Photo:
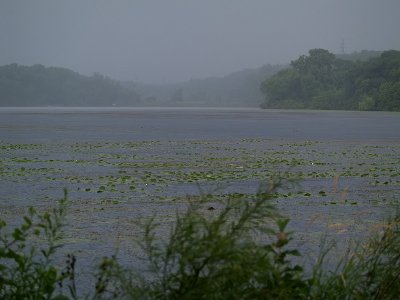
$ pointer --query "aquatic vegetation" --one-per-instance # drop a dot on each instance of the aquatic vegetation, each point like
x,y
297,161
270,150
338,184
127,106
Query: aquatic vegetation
x,y
157,177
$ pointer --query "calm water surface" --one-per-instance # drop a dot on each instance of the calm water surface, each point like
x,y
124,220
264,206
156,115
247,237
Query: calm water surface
x,y
31,125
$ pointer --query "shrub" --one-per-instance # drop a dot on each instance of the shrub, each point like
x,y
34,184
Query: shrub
x,y
27,270
217,256
237,253
371,271
240,250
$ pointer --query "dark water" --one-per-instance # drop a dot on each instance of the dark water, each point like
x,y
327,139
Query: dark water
x,y
97,124
339,142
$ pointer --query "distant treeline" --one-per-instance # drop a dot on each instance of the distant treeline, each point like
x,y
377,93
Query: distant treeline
x,y
367,80
52,86
40,86
241,88
322,80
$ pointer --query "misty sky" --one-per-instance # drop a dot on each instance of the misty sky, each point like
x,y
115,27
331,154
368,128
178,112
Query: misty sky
x,y
170,40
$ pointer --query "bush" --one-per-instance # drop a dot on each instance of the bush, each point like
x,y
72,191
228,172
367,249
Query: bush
x,y
239,250
27,270
366,103
372,271
217,256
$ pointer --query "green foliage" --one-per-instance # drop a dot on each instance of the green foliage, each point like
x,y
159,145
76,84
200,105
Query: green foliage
x,y
240,249
27,269
323,81
218,256
238,253
326,99
371,271
366,103
51,86
285,87
39,86
388,96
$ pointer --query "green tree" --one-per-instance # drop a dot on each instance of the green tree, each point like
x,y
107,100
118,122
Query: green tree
x,y
40,86
297,86
367,103
321,81
388,96
284,86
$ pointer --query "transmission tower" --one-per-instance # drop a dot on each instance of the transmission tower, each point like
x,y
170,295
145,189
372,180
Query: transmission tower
x,y
342,47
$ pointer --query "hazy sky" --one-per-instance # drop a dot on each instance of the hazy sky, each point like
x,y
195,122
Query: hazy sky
x,y
171,40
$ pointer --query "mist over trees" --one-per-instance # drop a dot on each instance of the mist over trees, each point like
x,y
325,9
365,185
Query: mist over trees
x,y
241,89
40,86
321,80
367,80
51,86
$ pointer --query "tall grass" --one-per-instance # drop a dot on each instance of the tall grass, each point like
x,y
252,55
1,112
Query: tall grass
x,y
242,250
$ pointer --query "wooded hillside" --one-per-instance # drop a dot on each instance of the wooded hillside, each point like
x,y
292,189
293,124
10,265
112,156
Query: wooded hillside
x,y
320,80
40,86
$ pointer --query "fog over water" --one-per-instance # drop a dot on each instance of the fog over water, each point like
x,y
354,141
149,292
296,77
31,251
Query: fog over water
x,y
30,125
171,41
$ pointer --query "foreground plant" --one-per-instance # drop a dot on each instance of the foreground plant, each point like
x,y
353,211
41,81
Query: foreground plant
x,y
372,270
27,269
239,249
228,253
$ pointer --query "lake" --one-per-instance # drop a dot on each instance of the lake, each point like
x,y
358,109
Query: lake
x,y
124,164
96,124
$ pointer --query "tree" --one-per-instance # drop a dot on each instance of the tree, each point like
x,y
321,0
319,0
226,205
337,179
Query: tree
x,y
40,86
304,80
321,81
